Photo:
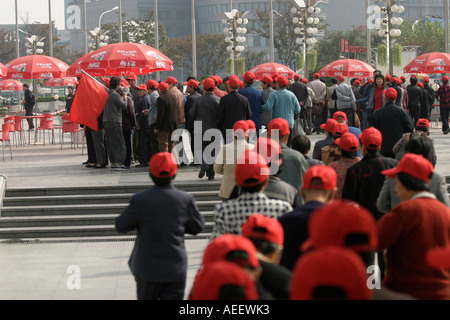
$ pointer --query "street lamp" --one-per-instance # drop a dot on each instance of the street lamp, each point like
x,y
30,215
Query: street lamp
x,y
99,38
34,44
116,8
234,34
305,22
388,23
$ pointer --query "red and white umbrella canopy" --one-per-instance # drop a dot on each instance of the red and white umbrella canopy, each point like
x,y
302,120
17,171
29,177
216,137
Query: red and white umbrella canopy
x,y
271,68
10,85
3,71
124,58
433,62
61,82
347,68
36,67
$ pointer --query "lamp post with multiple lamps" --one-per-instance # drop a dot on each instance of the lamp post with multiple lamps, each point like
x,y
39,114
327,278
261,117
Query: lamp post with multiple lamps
x,y
99,39
387,26
34,45
305,22
235,34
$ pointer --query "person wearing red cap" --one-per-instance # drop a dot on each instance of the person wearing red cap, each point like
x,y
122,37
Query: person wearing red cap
x,y
317,109
267,235
328,127
266,85
255,98
392,121
349,145
414,98
283,104
430,94
192,93
416,225
345,100
132,82
128,123
330,273
252,175
152,87
226,159
300,90
160,213
332,152
204,113
422,129
233,107
167,117
142,114
179,97
443,96
319,188
388,197
218,81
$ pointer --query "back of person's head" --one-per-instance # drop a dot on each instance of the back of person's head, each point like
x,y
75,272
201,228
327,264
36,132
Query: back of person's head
x,y
334,81
163,168
413,81
301,143
419,145
251,172
114,82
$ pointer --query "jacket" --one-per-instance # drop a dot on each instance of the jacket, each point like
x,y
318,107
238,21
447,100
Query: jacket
x,y
204,109
232,107
167,108
113,107
256,100
319,88
283,104
344,97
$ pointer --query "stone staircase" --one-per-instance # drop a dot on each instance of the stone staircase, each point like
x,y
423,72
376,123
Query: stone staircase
x,y
87,212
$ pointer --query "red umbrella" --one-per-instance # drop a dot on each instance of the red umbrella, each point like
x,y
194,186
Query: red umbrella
x,y
124,58
36,67
434,62
3,71
10,85
61,82
269,69
347,68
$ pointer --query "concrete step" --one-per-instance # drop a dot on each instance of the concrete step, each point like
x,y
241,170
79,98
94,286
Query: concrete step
x,y
72,231
85,199
69,220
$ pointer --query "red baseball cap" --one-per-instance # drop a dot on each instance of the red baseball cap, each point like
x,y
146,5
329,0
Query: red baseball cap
x,y
316,76
438,258
370,80
444,79
152,84
251,124
423,123
275,76
414,165
172,80
413,75
320,177
142,87
426,80
356,82
340,129
280,124
132,77
234,81
192,83
341,78
390,94
304,80
342,224
223,247
208,83
296,76
249,76
217,79
267,79
269,149
163,165
420,84
163,86
329,125
262,227
251,169
348,142
339,115
331,267
210,281
242,126
371,138
282,81
403,78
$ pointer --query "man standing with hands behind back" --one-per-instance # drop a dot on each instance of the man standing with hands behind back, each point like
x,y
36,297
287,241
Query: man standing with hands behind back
x,y
29,103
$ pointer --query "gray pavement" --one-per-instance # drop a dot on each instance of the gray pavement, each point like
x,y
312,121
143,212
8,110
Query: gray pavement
x,y
91,269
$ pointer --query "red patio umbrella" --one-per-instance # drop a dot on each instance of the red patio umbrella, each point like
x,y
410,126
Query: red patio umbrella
x,y
433,62
124,58
10,85
61,82
269,69
347,68
3,71
36,67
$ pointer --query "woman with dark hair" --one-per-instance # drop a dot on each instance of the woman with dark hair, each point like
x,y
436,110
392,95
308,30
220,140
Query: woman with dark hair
x,y
375,99
112,122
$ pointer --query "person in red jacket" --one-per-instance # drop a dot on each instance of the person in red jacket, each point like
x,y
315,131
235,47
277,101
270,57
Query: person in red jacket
x,y
413,227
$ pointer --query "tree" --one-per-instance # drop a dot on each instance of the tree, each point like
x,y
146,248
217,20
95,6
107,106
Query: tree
x,y
253,58
428,36
7,46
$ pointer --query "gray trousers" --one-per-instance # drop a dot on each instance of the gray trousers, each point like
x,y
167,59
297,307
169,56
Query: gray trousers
x,y
100,146
115,143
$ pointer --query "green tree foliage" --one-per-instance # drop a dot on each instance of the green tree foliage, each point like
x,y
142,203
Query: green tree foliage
x,y
428,36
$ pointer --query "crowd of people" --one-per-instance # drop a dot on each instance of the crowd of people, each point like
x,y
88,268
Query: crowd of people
x,y
292,224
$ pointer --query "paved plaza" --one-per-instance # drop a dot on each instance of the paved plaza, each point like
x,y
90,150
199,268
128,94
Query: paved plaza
x,y
92,269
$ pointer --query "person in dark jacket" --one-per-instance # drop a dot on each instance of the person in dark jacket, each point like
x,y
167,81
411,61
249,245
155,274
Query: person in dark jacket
x,y
161,215
29,103
128,123
432,94
392,121
414,98
255,99
166,119
204,113
301,92
193,92
233,107
144,129
69,99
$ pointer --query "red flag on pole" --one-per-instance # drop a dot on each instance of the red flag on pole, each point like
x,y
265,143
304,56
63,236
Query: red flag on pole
x,y
90,99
